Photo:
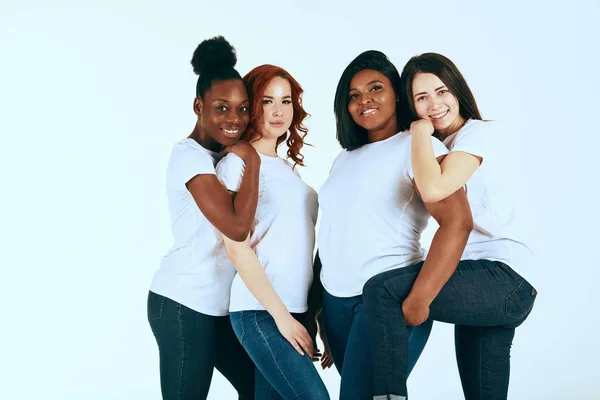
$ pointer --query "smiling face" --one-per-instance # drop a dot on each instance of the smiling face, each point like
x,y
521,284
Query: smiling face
x,y
223,114
434,102
278,110
372,104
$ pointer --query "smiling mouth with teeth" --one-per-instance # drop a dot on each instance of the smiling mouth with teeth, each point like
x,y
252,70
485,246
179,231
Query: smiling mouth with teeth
x,y
230,132
368,111
438,116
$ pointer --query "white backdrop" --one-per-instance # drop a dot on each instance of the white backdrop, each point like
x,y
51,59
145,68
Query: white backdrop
x,y
93,96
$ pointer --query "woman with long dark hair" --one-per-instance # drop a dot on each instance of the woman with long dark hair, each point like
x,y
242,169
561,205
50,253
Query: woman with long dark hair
x,y
372,216
489,293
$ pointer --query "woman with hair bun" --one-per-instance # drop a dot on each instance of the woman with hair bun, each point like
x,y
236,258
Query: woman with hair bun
x,y
189,294
269,294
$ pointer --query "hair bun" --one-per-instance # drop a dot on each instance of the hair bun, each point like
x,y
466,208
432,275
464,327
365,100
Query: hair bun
x,y
213,53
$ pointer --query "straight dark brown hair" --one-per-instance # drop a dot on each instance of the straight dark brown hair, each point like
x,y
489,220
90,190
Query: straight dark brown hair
x,y
443,68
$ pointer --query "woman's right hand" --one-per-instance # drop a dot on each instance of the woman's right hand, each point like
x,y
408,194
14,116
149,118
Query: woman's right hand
x,y
296,334
243,150
326,359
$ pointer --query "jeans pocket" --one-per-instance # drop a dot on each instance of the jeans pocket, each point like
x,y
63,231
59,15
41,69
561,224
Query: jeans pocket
x,y
156,303
520,302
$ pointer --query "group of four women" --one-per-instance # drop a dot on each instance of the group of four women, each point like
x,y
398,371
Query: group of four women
x,y
239,290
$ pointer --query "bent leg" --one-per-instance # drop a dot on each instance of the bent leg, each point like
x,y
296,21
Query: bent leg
x,y
479,293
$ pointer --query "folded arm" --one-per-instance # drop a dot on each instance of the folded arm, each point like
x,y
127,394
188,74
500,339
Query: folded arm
x,y
438,181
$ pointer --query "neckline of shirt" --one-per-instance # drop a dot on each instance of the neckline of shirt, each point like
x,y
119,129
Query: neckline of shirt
x,y
267,158
395,135
451,137
198,145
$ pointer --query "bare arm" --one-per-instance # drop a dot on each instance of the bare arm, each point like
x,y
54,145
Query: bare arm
x,y
454,217
246,262
231,215
315,323
316,290
314,302
435,181
453,214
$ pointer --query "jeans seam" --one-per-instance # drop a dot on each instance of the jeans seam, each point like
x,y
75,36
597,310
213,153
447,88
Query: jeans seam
x,y
480,363
180,320
262,335
160,309
243,334
513,296
162,305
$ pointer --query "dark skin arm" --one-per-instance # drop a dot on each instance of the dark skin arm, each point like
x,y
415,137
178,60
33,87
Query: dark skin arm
x,y
314,316
314,303
453,214
231,215
316,289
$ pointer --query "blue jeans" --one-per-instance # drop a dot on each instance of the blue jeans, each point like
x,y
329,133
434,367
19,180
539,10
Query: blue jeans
x,y
281,372
486,300
348,340
191,345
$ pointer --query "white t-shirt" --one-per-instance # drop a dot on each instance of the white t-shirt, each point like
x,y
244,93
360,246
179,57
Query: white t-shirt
x,y
190,273
371,216
498,232
283,234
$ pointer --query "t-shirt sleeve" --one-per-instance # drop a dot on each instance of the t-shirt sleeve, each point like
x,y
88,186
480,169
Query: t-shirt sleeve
x,y
479,138
438,150
187,162
230,171
438,147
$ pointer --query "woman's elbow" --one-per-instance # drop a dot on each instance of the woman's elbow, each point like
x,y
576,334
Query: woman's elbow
x,y
430,194
465,224
236,233
431,198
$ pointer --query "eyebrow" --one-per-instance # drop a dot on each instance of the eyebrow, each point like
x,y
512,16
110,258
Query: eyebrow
x,y
375,81
441,87
271,97
227,101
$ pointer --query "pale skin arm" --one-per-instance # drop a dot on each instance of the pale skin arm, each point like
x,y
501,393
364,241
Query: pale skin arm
x,y
438,181
246,262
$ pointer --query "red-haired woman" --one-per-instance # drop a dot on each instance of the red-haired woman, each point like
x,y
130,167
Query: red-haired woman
x,y
269,293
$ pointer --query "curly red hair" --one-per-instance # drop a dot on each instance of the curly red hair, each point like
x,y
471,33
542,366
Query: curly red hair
x,y
256,82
